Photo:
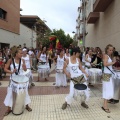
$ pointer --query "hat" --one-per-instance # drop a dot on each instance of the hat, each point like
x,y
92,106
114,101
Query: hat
x,y
24,49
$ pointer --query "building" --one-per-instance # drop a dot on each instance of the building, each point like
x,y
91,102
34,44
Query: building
x,y
102,24
81,23
35,24
9,19
16,29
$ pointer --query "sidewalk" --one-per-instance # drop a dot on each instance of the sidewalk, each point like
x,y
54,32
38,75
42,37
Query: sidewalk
x,y
47,101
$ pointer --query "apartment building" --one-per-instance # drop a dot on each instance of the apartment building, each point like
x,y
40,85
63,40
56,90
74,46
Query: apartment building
x,y
12,32
101,25
9,18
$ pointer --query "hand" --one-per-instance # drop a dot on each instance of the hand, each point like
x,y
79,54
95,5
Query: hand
x,y
69,75
40,61
86,75
14,70
24,67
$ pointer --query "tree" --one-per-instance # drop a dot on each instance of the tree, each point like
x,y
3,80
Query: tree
x,y
43,33
65,40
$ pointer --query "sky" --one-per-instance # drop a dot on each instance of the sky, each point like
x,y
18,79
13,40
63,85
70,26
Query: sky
x,y
58,13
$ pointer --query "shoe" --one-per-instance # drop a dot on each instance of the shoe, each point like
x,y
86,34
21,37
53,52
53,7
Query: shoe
x,y
32,84
28,109
83,104
7,112
64,106
106,110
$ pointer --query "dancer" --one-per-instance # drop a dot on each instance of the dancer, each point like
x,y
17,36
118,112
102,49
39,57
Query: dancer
x,y
107,83
60,76
13,71
43,69
76,70
28,63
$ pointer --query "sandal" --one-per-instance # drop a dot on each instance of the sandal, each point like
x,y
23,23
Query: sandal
x,y
106,110
64,106
7,112
32,84
83,104
28,109
46,79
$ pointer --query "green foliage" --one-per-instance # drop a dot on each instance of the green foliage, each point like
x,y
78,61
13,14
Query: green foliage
x,y
65,40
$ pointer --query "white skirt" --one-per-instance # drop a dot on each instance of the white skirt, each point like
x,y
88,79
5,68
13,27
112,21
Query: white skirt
x,y
107,88
9,97
61,79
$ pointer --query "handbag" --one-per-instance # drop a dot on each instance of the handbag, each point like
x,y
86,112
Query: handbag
x,y
106,77
78,80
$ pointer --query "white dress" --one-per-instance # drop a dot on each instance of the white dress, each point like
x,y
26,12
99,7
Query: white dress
x,y
9,97
44,70
27,63
88,63
67,57
75,72
108,86
43,57
60,77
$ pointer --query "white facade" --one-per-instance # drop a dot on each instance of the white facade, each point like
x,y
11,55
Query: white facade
x,y
25,36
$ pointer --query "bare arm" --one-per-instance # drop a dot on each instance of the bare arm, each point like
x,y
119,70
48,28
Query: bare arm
x,y
30,61
64,68
86,58
105,61
38,56
24,65
7,65
54,59
82,69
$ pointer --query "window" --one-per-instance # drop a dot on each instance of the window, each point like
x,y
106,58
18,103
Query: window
x,y
3,14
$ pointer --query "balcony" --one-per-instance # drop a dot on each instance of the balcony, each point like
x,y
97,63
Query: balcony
x,y
93,17
101,5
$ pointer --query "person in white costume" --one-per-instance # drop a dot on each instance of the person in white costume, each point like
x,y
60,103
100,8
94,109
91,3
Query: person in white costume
x,y
88,58
9,97
43,57
28,63
107,85
76,70
60,76
67,55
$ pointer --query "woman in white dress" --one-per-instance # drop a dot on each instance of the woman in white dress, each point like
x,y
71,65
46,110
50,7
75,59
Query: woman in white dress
x,y
9,99
76,70
67,55
28,63
107,85
88,58
60,76
42,57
